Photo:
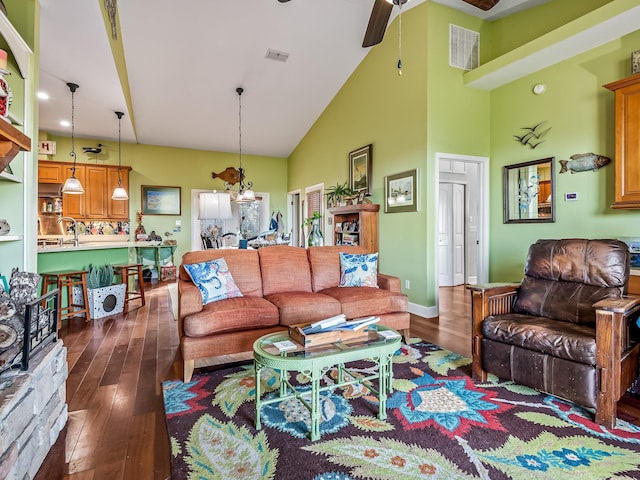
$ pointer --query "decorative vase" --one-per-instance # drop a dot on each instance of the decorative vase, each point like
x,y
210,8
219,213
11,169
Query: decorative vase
x,y
315,236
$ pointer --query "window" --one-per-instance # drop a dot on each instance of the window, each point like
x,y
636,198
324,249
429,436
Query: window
x,y
313,202
249,219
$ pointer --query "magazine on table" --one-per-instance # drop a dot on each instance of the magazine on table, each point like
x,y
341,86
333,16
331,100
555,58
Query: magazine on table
x,y
339,322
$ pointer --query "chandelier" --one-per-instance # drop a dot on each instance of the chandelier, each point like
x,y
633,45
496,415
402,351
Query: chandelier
x,y
232,176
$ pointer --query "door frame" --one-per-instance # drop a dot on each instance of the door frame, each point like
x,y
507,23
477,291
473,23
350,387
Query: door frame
x,y
294,225
483,212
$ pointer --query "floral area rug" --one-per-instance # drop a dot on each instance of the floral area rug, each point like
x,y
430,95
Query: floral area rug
x,y
440,425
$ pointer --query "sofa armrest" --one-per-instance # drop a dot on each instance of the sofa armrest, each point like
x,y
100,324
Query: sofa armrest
x,y
389,282
189,302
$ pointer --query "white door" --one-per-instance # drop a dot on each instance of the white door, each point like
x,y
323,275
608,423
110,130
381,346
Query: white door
x,y
451,227
458,233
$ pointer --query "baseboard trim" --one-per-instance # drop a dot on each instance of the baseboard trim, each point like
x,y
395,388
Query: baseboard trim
x,y
426,312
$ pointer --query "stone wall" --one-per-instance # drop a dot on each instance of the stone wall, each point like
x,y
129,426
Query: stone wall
x,y
33,411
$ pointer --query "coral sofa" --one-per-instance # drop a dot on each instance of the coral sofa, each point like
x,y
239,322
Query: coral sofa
x,y
280,286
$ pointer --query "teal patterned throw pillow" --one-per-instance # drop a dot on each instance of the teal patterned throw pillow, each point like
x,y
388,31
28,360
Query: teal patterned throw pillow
x,y
358,270
214,280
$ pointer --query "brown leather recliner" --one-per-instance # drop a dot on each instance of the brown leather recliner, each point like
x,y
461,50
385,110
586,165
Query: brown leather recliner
x,y
567,329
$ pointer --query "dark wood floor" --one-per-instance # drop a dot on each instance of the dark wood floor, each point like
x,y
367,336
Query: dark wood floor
x,y
116,428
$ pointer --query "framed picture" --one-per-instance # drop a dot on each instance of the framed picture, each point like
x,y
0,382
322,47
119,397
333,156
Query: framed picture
x,y
4,286
160,200
635,62
360,169
401,192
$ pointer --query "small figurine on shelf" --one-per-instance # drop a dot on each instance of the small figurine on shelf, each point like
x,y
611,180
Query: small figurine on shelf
x,y
140,228
154,238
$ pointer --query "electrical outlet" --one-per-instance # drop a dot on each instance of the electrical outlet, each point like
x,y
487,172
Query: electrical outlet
x,y
407,284
178,223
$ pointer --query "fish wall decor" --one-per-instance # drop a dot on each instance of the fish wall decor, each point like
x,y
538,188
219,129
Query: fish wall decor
x,y
532,135
582,162
230,175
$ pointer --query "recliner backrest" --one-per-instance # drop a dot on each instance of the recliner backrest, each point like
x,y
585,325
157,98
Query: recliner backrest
x,y
564,278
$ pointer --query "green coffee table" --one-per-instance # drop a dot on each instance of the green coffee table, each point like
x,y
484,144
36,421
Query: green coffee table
x,y
315,362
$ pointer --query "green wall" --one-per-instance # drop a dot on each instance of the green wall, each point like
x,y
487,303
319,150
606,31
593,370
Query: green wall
x,y
179,167
581,116
407,119
429,110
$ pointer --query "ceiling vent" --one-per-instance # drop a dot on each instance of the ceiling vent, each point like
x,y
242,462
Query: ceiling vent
x,y
276,55
464,48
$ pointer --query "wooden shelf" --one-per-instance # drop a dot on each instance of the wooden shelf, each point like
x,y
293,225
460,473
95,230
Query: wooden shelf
x,y
365,216
10,177
10,238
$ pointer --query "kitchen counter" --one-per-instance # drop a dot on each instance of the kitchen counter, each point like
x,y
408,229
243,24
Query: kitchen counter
x,y
90,244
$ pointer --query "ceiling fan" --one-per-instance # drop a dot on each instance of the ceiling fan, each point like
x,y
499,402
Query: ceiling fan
x,y
382,12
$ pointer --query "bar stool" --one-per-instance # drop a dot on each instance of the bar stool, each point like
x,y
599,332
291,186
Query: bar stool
x,y
68,279
126,271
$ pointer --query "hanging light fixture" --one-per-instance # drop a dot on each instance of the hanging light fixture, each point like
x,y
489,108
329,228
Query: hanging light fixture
x,y
72,185
245,194
119,193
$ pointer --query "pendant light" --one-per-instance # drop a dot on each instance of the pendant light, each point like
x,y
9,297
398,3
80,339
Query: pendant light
x,y
245,194
72,185
119,193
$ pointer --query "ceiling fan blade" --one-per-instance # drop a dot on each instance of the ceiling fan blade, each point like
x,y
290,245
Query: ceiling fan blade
x,y
483,4
377,23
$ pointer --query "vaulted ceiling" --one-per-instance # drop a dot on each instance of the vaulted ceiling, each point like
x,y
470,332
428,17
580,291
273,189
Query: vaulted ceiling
x,y
175,67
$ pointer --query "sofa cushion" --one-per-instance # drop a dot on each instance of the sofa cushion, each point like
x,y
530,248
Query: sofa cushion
x,y
214,280
243,264
284,269
358,270
325,264
304,307
240,313
566,340
363,301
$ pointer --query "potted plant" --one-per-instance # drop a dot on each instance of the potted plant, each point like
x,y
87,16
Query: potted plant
x,y
337,193
105,298
315,235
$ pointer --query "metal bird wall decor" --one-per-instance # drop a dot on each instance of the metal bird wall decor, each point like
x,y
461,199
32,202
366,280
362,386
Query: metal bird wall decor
x,y
532,135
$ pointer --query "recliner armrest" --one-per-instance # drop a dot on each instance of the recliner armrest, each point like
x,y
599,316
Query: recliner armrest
x,y
618,305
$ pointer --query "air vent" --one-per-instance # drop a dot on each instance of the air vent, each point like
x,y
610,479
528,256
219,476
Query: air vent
x,y
276,55
464,48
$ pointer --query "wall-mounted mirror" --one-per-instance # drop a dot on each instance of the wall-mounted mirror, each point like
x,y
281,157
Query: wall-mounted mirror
x,y
529,192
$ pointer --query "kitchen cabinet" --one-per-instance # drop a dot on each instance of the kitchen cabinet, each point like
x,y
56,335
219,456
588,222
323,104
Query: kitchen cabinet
x,y
356,225
49,172
99,182
74,205
117,209
627,139
95,191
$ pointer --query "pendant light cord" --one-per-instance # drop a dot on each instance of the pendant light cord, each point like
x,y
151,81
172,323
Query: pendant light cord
x,y
400,38
73,127
119,114
240,90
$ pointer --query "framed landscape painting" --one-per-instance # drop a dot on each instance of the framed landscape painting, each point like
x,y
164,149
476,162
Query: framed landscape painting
x,y
158,200
401,192
360,169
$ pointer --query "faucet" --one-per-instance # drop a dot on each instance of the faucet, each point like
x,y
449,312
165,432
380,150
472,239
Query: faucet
x,y
76,241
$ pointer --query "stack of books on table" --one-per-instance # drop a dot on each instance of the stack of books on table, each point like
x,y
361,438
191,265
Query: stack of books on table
x,y
331,330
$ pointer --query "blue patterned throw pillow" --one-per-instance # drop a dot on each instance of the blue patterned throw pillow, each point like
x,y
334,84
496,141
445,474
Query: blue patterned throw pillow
x,y
214,280
358,270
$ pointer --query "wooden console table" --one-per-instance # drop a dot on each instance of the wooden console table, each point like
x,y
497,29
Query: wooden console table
x,y
156,253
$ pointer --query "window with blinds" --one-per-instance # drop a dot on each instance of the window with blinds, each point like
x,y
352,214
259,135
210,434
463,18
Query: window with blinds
x,y
313,202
